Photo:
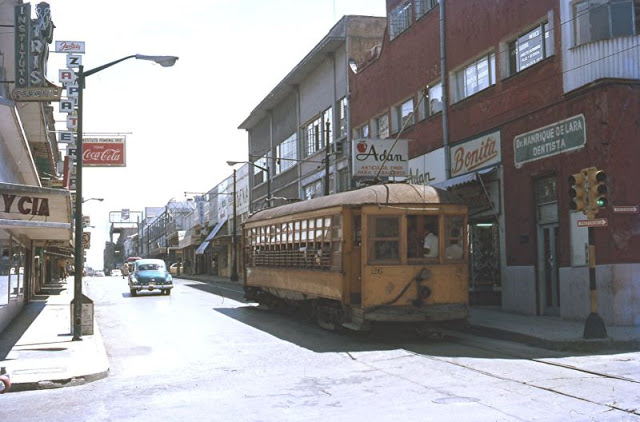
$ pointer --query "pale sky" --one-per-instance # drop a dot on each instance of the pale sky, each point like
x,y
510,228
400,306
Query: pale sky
x,y
181,122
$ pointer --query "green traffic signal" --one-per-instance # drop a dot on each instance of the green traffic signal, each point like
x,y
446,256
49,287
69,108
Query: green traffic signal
x,y
597,189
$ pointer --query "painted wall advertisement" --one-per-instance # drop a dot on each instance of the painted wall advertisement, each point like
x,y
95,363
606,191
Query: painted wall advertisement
x,y
104,152
380,157
427,169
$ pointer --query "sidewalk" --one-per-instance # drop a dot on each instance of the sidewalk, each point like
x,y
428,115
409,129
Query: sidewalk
x,y
37,347
38,352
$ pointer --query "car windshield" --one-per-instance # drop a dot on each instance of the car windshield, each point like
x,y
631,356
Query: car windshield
x,y
150,267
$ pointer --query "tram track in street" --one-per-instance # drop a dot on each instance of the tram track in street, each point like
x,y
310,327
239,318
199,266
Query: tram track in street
x,y
505,350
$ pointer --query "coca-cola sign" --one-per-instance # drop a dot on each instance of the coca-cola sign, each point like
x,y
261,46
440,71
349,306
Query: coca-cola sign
x,y
104,152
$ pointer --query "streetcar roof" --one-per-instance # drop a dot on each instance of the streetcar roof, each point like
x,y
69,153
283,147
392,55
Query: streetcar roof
x,y
384,194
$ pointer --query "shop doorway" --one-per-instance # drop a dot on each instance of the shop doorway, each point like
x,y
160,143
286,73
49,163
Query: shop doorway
x,y
484,273
548,287
548,264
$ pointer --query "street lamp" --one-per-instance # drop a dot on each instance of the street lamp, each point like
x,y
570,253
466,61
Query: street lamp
x,y
234,238
164,61
265,169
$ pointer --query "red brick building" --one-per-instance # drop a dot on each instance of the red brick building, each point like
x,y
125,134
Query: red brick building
x,y
517,96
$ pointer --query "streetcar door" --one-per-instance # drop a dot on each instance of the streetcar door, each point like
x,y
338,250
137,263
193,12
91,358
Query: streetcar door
x,y
355,267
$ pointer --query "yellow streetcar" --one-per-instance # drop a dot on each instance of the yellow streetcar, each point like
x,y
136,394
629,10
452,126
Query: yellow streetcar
x,y
384,253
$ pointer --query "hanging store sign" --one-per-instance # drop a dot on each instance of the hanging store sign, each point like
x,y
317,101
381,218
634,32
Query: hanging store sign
x,y
104,152
557,138
32,39
69,47
475,154
44,94
380,157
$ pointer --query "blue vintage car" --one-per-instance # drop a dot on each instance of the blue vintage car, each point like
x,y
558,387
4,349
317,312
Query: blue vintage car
x,y
150,274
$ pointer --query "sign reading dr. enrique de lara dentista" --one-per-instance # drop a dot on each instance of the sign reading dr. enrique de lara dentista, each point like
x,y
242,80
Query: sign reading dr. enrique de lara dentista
x,y
556,138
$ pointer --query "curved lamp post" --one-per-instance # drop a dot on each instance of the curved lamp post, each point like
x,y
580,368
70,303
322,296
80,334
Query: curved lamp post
x,y
92,199
164,61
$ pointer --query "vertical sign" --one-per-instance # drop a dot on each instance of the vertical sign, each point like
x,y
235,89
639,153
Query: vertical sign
x,y
22,44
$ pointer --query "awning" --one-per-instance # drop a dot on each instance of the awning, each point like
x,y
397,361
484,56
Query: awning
x,y
12,134
464,179
203,246
34,212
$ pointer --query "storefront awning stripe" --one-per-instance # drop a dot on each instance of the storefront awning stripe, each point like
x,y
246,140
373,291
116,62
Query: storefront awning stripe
x,y
461,180
216,229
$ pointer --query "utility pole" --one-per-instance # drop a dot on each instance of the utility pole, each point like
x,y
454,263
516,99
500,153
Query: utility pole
x,y
234,239
327,154
588,194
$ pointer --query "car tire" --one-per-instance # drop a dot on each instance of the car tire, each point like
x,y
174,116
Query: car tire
x,y
134,292
167,292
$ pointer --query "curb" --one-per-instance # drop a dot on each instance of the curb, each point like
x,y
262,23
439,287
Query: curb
x,y
99,369
577,345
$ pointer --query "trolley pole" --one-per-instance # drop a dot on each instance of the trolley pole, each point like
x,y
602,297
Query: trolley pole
x,y
594,325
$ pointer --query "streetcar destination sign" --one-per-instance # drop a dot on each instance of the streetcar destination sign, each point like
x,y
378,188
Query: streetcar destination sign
x,y
596,222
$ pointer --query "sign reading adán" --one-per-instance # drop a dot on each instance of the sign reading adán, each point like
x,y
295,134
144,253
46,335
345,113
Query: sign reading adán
x,y
553,139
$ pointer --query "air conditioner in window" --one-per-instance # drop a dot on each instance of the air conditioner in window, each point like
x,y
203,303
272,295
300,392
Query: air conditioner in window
x,y
336,147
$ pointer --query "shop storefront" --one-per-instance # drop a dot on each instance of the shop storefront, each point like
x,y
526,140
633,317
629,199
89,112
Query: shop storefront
x,y
476,178
35,232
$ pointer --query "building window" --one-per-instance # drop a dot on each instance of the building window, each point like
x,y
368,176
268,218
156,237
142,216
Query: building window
x,y
400,19
605,19
432,103
313,137
423,6
259,176
361,132
343,180
313,190
287,153
381,127
314,133
403,115
342,117
530,48
475,77
327,117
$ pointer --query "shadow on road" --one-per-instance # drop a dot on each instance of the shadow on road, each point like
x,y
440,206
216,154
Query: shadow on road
x,y
296,328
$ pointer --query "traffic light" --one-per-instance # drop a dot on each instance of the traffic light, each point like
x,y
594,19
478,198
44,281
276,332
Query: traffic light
x,y
577,192
597,189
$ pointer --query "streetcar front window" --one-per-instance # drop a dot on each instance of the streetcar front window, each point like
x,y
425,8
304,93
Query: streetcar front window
x,y
422,237
386,239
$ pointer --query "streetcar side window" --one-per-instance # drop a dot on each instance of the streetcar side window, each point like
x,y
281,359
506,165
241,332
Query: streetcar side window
x,y
455,236
385,239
